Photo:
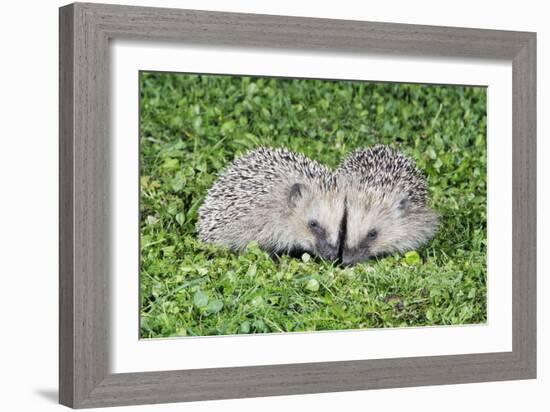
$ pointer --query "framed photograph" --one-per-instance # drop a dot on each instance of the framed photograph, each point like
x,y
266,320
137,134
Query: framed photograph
x,y
256,205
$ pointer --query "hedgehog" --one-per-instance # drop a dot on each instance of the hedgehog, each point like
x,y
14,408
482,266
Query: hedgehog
x,y
283,201
386,204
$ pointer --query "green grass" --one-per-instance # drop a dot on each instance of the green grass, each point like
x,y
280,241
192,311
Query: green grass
x,y
192,126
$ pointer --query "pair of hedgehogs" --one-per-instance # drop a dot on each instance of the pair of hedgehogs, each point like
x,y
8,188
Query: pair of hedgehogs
x,y
374,204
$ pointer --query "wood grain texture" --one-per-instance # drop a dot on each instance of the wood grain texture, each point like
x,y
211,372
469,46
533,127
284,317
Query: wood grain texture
x,y
83,339
85,31
524,184
299,33
66,229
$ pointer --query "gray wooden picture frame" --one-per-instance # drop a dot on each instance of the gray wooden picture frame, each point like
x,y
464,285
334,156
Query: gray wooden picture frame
x,y
85,31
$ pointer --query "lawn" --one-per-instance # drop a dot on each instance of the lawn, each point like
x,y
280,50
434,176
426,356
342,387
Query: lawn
x,y
192,126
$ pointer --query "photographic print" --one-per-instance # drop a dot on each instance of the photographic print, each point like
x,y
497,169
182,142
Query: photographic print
x,y
330,209
275,205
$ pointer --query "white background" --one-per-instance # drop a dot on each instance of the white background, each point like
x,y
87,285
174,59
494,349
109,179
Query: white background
x,y
28,206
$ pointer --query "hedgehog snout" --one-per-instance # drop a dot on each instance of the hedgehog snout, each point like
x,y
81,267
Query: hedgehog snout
x,y
332,253
352,256
327,251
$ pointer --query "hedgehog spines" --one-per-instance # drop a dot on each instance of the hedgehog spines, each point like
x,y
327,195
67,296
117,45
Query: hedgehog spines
x,y
381,168
250,201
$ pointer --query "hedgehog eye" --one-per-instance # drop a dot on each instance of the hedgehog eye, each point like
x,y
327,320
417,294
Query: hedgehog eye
x,y
313,224
373,234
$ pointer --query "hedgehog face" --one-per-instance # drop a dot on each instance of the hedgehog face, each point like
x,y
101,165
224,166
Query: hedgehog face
x,y
315,220
383,223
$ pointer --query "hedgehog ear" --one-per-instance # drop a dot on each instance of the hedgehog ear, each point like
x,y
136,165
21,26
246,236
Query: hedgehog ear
x,y
297,191
402,206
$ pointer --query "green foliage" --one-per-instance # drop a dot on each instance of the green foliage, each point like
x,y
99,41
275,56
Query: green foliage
x,y
192,126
